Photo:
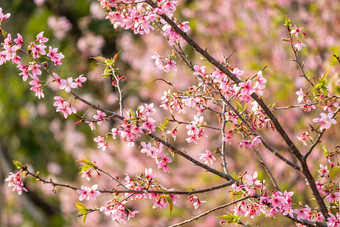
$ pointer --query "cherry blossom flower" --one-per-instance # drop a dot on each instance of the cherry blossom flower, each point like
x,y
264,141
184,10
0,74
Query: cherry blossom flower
x,y
252,179
149,125
148,174
100,117
304,137
333,221
301,95
326,120
67,85
260,83
323,170
207,157
237,72
19,40
3,16
41,39
149,149
299,45
55,56
302,213
101,143
173,133
199,71
332,197
92,192
37,87
296,31
80,80
15,180
59,25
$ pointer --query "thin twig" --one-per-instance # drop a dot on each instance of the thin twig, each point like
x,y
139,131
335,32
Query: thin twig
x,y
223,148
263,164
209,211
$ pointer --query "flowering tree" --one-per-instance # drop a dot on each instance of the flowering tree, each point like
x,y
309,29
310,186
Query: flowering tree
x,y
222,104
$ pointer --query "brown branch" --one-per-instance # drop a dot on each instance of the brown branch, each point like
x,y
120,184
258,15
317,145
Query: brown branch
x,y
209,211
144,191
272,117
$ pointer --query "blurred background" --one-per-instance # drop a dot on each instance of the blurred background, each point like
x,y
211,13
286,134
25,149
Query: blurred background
x,y
33,133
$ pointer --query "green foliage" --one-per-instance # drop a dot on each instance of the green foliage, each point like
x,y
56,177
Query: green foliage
x,y
230,218
82,210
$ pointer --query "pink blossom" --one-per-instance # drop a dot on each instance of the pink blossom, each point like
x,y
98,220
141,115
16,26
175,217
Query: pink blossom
x,y
92,191
55,56
260,83
326,120
84,194
302,213
91,44
80,80
207,157
199,71
323,170
301,95
87,174
173,133
252,179
332,197
3,16
149,125
333,221
16,180
19,40
304,137
37,87
101,143
41,39
67,85
299,45
237,72
59,25
296,31
162,161
149,149
148,174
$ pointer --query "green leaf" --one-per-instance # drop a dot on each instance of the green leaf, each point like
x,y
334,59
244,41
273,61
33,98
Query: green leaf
x,y
80,206
171,204
17,164
240,108
88,165
235,176
83,210
287,22
162,126
100,59
230,218
84,218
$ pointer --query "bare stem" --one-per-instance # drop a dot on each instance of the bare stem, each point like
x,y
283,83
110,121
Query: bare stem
x,y
209,211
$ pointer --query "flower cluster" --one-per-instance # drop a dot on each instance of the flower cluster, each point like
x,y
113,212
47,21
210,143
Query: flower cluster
x,y
155,152
87,193
117,211
297,31
148,182
15,180
195,129
63,106
164,64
